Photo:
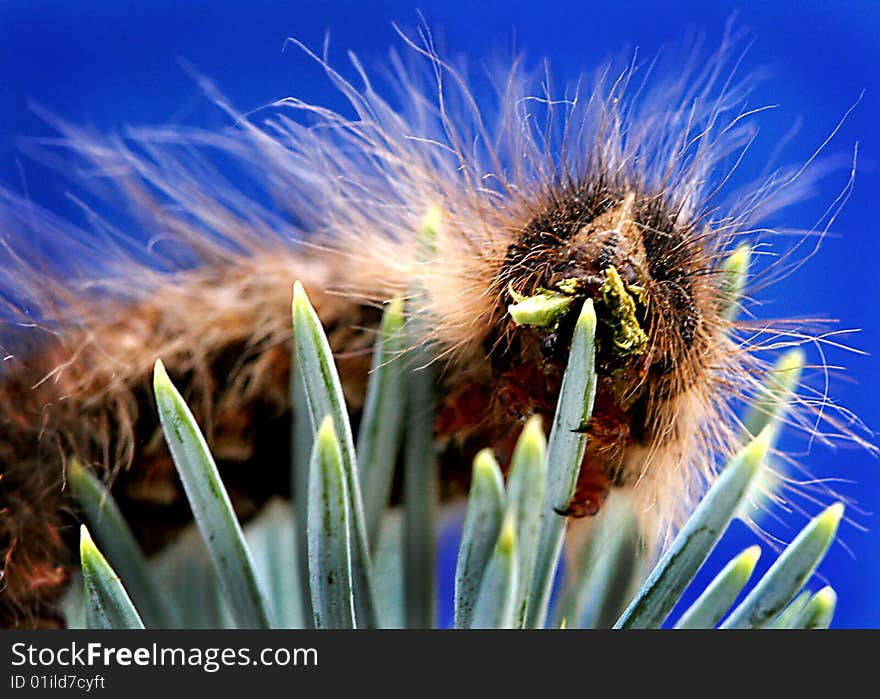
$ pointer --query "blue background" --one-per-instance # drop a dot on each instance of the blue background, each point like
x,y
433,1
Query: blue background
x,y
110,64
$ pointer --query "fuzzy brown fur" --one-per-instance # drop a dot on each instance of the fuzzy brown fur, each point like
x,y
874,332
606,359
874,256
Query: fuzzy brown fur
x,y
89,395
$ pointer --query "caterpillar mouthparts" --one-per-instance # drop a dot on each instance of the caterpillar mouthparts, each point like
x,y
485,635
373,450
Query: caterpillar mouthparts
x,y
534,206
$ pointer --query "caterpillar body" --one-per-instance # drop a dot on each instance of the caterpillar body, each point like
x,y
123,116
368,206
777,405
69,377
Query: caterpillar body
x,y
535,203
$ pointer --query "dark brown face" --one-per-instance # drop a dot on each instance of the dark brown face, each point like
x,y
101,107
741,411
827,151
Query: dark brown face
x,y
627,255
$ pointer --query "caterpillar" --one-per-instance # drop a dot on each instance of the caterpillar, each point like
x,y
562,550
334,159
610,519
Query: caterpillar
x,y
611,191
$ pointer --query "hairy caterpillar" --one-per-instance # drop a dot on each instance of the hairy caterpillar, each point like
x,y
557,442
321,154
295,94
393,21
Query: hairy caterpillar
x,y
609,192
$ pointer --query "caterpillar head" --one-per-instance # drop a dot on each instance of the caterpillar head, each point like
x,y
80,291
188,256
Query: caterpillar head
x,y
646,271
